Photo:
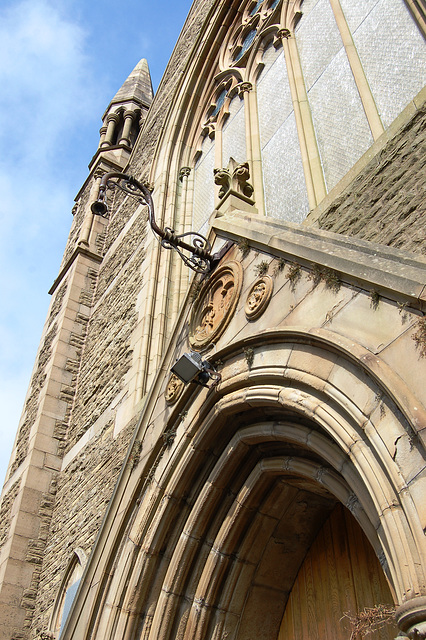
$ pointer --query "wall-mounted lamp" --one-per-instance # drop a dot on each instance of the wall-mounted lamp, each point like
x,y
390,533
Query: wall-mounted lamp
x,y
192,368
200,258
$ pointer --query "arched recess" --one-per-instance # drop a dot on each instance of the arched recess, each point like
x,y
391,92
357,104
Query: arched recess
x,y
67,591
340,572
261,462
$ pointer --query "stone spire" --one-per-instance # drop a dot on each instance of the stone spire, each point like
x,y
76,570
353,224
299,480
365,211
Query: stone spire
x,y
123,118
137,88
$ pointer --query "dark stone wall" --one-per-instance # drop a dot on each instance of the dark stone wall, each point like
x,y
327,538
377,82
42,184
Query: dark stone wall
x,y
386,202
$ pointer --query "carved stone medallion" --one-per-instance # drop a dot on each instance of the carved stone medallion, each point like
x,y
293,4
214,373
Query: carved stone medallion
x,y
215,305
174,389
258,297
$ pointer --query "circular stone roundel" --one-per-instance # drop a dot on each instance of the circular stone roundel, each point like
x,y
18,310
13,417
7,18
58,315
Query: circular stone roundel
x,y
258,297
215,305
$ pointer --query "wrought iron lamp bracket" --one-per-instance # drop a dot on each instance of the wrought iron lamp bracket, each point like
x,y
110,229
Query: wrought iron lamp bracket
x,y
199,258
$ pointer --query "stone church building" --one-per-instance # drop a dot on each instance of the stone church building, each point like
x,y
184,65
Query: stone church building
x,y
273,485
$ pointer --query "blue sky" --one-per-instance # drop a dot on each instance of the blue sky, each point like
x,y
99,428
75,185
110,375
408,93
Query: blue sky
x,y
61,62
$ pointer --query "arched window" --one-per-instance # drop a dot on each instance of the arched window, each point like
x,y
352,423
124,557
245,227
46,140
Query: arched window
x,y
301,90
67,591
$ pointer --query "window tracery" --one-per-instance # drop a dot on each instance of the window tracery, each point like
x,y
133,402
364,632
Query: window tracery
x,y
254,93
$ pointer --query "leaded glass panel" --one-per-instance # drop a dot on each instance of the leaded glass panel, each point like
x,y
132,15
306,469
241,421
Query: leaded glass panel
x,y
393,54
335,102
246,44
204,185
234,133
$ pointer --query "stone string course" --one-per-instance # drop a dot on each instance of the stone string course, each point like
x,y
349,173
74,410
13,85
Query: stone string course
x,y
83,492
386,203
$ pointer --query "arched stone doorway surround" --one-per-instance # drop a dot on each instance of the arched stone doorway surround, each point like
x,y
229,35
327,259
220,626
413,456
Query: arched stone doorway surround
x,y
250,467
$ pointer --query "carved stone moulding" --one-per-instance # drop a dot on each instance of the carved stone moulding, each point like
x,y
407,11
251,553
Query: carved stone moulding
x,y
258,297
215,305
174,389
411,618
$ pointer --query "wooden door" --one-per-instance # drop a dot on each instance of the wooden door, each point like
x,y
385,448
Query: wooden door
x,y
340,574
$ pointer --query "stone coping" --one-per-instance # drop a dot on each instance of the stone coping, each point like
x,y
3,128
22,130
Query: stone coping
x,y
391,272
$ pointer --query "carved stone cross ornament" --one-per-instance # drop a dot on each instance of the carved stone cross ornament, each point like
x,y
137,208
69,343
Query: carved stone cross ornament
x,y
234,178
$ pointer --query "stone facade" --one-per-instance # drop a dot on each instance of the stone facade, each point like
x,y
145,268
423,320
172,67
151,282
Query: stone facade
x,y
189,500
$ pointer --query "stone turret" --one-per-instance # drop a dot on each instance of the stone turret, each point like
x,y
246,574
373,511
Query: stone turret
x,y
123,118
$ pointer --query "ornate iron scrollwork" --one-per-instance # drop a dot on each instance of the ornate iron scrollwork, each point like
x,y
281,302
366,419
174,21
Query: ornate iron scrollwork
x,y
199,258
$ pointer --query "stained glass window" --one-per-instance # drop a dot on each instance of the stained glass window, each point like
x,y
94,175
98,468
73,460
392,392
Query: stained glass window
x,y
246,43
256,7
219,102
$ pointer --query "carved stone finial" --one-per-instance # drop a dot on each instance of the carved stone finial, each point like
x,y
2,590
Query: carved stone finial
x,y
234,178
184,173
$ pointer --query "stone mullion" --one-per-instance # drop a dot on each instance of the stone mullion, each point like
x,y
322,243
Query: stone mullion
x,y
218,151
418,11
254,156
311,160
178,272
168,263
112,120
189,182
361,81
128,121
150,331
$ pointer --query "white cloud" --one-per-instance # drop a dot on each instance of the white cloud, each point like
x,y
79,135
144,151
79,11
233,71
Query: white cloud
x,y
47,97
43,74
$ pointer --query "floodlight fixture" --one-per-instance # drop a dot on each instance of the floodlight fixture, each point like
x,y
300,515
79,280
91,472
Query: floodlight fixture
x,y
191,367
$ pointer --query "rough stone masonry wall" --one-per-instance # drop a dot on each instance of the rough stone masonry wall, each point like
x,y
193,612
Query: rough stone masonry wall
x,y
5,509
82,495
386,203
107,355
